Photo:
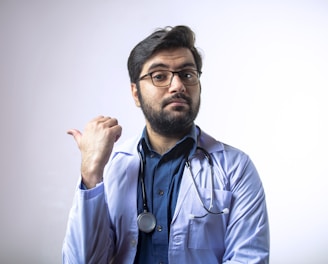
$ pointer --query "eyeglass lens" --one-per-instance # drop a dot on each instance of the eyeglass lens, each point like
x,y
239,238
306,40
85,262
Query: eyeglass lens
x,y
163,78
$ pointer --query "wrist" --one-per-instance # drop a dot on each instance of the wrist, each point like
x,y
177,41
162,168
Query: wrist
x,y
91,176
87,184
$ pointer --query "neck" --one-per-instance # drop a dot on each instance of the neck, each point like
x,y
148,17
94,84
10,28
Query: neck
x,y
161,143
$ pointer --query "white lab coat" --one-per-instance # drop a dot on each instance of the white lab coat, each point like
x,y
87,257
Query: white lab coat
x,y
102,225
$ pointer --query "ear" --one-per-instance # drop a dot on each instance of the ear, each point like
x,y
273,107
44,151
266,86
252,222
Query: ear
x,y
134,92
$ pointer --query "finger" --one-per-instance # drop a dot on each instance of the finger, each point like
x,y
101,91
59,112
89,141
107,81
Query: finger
x,y
100,118
118,130
76,135
97,117
110,122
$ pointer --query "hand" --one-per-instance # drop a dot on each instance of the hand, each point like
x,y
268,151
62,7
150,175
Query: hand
x,y
96,144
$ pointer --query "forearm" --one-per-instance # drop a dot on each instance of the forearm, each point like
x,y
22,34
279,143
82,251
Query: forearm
x,y
247,238
88,237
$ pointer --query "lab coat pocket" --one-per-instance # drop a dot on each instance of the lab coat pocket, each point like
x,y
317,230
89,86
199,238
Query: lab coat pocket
x,y
207,230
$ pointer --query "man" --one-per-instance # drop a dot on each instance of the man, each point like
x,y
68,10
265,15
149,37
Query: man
x,y
173,194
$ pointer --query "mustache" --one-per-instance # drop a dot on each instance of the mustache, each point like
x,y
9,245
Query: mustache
x,y
176,96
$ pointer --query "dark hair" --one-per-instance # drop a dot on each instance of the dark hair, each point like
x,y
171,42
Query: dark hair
x,y
162,39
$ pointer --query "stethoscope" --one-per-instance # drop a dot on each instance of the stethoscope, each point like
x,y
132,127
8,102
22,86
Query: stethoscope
x,y
147,221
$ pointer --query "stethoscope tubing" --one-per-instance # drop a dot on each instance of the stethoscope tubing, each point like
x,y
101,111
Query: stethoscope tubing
x,y
189,167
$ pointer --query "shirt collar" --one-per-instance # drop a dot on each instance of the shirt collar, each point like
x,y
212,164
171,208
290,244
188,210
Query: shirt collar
x,y
191,137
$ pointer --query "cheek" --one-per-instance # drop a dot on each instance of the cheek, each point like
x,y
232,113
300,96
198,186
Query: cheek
x,y
152,96
195,95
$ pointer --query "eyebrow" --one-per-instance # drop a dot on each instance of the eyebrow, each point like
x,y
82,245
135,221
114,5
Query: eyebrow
x,y
162,65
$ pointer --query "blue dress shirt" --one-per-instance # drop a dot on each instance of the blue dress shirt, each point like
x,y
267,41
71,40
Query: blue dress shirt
x,y
162,176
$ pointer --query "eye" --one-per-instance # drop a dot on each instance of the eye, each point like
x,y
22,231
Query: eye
x,y
188,74
160,76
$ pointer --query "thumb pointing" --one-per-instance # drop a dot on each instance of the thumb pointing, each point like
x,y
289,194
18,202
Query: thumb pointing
x,y
76,135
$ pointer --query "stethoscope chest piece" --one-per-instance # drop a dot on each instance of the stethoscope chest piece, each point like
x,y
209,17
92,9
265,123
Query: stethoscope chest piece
x,y
146,222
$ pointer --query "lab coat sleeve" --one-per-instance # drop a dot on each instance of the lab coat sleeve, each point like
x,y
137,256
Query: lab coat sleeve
x,y
247,236
89,238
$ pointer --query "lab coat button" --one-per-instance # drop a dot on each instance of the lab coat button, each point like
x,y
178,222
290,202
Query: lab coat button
x,y
133,243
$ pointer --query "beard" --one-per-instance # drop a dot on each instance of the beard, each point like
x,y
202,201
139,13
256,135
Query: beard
x,y
170,123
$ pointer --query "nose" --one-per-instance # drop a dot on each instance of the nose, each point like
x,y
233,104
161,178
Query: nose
x,y
176,84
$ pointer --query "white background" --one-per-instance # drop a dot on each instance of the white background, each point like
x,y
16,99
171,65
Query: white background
x,y
263,91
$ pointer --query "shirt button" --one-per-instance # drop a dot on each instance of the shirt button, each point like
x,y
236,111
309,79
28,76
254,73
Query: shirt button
x,y
161,192
159,228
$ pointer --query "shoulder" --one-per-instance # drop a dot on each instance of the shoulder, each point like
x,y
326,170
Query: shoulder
x,y
236,165
225,153
128,147
124,157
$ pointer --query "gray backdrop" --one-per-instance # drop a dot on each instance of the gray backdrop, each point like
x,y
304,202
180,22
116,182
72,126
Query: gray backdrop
x,y
263,91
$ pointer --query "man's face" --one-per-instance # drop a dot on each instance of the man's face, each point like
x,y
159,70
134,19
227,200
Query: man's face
x,y
169,110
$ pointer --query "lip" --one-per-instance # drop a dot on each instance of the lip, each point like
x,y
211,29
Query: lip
x,y
177,102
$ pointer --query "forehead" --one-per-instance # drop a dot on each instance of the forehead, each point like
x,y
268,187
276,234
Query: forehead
x,y
171,59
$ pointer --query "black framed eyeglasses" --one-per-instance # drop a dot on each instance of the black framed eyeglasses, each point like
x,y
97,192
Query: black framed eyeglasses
x,y
163,78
